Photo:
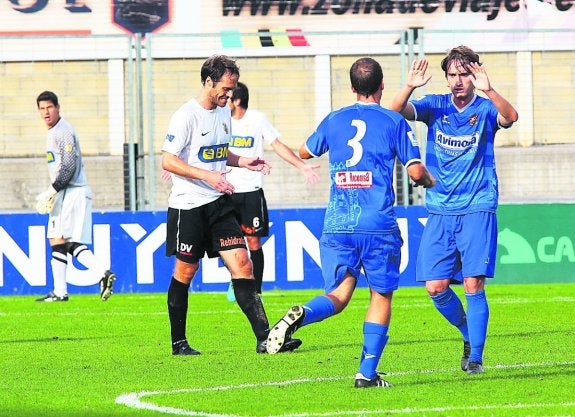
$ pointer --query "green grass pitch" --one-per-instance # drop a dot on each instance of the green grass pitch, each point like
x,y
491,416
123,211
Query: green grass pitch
x,y
89,358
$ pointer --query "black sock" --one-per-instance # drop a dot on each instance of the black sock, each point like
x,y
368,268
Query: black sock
x,y
257,257
178,309
251,304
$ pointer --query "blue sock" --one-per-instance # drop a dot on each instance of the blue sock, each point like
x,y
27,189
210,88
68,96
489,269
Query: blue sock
x,y
477,318
317,309
374,341
450,307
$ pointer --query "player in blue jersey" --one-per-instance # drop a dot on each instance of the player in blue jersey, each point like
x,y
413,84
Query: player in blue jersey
x,y
460,237
360,229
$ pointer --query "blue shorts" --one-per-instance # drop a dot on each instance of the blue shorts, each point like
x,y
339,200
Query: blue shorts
x,y
456,246
379,256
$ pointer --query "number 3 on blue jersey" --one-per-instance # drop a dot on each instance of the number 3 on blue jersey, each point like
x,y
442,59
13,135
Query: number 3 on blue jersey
x,y
354,143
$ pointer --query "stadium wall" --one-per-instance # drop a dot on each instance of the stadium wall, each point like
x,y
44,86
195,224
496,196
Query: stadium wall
x,y
99,99
122,67
534,174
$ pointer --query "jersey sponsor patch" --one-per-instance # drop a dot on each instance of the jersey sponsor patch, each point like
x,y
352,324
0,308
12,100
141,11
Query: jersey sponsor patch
x,y
232,241
50,156
213,153
456,143
185,249
242,142
170,138
353,179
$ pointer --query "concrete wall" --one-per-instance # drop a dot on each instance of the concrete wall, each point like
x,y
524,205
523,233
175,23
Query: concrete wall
x,y
23,178
99,98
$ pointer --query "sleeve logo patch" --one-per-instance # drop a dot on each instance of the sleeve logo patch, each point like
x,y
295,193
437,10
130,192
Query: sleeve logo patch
x,y
412,139
353,179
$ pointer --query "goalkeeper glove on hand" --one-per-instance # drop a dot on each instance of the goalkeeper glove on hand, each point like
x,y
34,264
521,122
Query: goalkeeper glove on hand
x,y
45,200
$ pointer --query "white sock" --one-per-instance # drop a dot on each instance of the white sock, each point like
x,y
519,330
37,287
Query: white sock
x,y
59,265
88,259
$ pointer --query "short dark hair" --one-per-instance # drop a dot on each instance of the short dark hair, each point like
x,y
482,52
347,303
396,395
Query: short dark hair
x,y
366,76
47,96
462,55
216,66
242,93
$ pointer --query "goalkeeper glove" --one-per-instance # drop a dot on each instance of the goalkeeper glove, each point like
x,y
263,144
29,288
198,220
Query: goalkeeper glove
x,y
45,200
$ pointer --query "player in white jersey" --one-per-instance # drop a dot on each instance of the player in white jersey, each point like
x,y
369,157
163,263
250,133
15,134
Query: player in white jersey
x,y
460,236
201,218
250,131
360,231
68,200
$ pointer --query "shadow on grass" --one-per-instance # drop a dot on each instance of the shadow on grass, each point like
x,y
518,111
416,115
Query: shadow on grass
x,y
491,374
529,334
318,346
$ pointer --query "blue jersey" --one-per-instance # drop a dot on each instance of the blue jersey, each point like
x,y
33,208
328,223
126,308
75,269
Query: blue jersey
x,y
460,154
363,141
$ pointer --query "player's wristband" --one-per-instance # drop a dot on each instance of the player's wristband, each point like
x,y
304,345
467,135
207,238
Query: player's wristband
x,y
233,160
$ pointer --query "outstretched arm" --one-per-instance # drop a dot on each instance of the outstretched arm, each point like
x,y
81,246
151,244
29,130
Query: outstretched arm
x,y
507,113
416,77
308,170
253,164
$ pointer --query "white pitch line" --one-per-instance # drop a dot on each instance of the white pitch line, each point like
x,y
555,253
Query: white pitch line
x,y
424,303
134,399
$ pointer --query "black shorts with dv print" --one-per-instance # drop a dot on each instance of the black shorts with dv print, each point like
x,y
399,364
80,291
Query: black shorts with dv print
x,y
209,229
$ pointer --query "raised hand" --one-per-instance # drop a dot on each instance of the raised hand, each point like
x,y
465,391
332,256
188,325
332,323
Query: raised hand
x,y
417,74
479,76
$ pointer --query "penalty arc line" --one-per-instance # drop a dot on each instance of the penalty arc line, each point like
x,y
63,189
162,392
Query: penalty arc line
x,y
134,399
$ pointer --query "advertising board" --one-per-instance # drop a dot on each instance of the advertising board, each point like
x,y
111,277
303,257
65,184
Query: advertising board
x,y
535,245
